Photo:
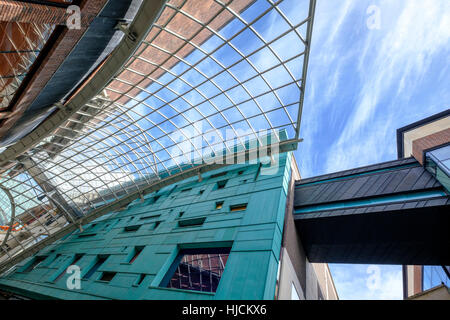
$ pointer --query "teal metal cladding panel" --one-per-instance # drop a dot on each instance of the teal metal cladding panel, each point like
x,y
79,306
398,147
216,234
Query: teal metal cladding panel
x,y
253,234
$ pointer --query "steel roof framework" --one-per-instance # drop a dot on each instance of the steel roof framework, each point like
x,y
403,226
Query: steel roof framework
x,y
160,113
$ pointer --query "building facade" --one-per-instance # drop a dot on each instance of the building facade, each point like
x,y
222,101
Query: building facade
x,y
428,141
225,235
394,212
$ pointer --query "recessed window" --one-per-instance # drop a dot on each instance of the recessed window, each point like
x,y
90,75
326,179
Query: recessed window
x,y
197,269
136,252
98,262
150,217
107,276
34,263
140,279
219,205
191,222
180,214
86,235
132,228
156,224
238,207
218,175
201,191
56,257
75,259
186,190
221,184
240,172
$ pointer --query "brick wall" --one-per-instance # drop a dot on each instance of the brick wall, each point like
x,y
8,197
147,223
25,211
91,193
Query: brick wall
x,y
13,11
430,141
48,65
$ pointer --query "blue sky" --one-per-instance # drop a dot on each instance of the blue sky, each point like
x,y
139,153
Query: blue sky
x,y
363,84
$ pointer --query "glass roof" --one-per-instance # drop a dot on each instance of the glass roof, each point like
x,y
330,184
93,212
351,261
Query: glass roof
x,y
209,77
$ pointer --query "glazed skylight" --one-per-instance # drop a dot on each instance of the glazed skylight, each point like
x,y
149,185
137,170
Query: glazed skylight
x,y
209,77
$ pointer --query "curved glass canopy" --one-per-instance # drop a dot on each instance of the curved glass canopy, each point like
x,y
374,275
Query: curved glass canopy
x,y
210,77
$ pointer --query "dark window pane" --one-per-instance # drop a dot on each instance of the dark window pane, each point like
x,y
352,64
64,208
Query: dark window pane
x,y
136,252
107,276
218,175
199,269
35,263
219,205
238,207
221,184
98,263
140,279
131,228
191,222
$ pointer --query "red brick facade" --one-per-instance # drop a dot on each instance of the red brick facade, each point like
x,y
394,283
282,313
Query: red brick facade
x,y
430,141
13,11
50,64
417,270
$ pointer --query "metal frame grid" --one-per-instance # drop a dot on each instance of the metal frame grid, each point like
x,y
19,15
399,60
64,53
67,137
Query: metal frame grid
x,y
209,77
33,37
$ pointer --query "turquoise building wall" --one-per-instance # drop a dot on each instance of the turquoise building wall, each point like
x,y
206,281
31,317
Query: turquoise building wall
x,y
254,236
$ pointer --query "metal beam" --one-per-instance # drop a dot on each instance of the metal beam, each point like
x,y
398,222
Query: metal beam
x,y
309,29
51,191
13,214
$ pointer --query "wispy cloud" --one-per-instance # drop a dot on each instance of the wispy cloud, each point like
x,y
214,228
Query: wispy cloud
x,y
362,85
365,83
393,63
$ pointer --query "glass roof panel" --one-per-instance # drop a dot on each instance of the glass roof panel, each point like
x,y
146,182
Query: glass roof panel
x,y
209,76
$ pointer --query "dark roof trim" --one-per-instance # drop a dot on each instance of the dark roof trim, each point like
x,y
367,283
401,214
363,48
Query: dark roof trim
x,y
390,206
414,125
361,170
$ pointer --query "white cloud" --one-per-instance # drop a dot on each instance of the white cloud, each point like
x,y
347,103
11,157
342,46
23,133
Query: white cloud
x,y
352,282
364,84
397,56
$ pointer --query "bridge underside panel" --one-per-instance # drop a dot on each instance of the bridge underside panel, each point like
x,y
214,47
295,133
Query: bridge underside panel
x,y
416,236
390,213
